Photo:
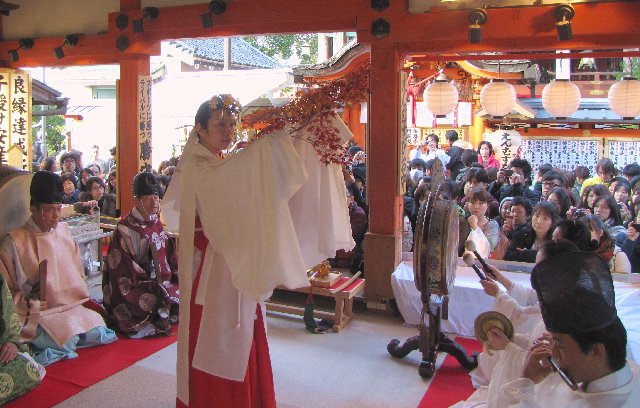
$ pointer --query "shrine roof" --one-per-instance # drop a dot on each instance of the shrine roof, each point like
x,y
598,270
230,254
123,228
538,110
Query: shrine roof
x,y
242,53
336,64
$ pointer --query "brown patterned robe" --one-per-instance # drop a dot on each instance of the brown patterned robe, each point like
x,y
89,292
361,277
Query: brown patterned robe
x,y
140,277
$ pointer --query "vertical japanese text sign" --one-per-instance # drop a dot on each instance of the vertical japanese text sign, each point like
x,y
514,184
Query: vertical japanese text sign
x,y
144,122
15,117
4,116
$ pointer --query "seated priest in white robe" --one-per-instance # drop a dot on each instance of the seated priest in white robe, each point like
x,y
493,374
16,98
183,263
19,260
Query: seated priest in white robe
x,y
50,304
587,340
520,305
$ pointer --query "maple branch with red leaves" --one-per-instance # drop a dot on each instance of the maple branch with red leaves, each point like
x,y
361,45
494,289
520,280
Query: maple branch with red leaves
x,y
312,109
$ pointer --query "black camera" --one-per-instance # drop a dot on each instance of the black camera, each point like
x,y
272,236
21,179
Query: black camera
x,y
581,212
507,172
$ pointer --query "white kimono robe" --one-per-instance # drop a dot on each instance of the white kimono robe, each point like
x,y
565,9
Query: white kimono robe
x,y
254,246
20,255
620,389
527,325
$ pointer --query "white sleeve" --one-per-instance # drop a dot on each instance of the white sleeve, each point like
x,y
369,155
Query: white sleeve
x,y
525,296
518,393
482,243
621,263
245,215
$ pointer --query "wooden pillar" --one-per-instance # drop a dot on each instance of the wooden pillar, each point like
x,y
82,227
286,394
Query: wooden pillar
x,y
351,117
383,241
128,143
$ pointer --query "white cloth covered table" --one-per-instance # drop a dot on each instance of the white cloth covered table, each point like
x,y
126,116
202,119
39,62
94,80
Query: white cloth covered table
x,y
467,300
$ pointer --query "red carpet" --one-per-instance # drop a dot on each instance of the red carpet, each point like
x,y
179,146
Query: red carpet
x,y
451,382
94,364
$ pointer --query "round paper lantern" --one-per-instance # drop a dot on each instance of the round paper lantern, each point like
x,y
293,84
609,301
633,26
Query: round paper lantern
x,y
441,97
561,98
624,98
498,98
506,143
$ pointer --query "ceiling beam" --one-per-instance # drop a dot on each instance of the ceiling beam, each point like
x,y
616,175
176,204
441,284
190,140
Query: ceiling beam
x,y
596,26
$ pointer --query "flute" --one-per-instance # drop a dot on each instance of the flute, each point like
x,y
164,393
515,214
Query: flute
x,y
563,374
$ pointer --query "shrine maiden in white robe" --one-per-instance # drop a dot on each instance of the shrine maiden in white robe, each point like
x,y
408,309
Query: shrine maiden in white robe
x,y
243,203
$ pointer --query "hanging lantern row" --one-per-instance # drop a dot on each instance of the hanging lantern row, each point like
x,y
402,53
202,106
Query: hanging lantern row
x,y
560,98
498,98
441,97
624,98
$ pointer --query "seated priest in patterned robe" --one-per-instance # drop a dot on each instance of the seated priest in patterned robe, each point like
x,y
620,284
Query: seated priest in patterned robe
x,y
43,269
140,281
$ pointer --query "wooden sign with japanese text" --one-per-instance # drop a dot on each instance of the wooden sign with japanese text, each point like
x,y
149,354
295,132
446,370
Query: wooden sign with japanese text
x,y
144,121
15,118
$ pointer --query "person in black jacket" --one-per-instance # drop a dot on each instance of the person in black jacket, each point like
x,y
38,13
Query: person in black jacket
x,y
516,184
455,152
526,241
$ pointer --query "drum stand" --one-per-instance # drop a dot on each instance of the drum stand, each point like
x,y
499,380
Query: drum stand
x,y
431,340
435,257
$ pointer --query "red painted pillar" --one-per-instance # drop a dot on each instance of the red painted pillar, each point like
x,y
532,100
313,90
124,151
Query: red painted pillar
x,y
128,143
383,241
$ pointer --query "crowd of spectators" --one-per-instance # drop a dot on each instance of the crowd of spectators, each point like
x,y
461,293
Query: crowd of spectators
x,y
511,212
92,186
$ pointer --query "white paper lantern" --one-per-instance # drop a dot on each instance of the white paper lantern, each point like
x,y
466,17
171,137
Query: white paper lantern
x,y
506,143
498,98
624,98
561,98
441,97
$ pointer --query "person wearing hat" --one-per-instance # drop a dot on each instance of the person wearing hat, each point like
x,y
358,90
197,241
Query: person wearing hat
x,y
586,338
140,282
43,269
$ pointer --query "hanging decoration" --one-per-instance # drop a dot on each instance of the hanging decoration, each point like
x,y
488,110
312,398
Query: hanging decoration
x,y
506,143
624,98
498,98
441,97
561,98
414,89
313,108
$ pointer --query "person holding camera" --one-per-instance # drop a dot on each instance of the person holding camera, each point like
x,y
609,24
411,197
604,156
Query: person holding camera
x,y
513,182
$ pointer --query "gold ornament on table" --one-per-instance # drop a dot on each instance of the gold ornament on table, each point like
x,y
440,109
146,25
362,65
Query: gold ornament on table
x,y
321,275
320,270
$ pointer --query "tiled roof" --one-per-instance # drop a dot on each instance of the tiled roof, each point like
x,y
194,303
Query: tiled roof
x,y
242,53
590,110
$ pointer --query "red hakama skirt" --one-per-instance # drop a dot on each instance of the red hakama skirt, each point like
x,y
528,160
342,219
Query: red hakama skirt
x,y
210,391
